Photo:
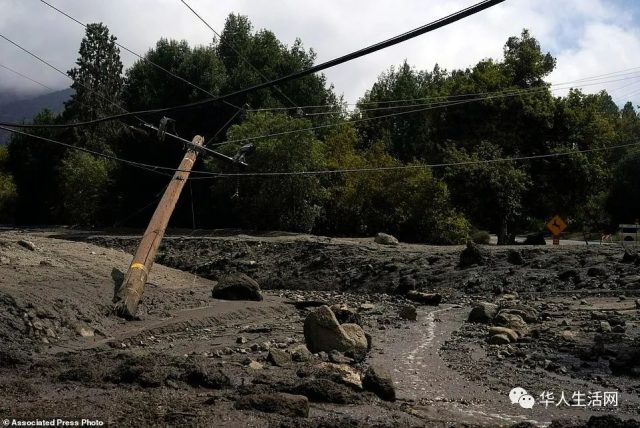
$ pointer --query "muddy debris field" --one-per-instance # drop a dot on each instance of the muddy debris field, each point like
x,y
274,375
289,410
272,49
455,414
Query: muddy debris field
x,y
304,331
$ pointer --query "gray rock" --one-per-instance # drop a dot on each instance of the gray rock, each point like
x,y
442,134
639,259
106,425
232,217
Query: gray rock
x,y
280,403
406,283
527,313
237,287
637,303
499,339
27,244
339,358
340,373
515,257
323,332
279,358
483,312
325,391
472,255
377,379
301,354
511,334
345,314
429,299
386,239
597,271
605,327
408,313
512,321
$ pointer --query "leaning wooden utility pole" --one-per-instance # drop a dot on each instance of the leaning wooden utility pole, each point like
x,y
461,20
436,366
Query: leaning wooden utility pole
x,y
129,295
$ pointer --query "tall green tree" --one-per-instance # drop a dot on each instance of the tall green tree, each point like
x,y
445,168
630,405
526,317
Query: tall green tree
x,y
97,83
97,79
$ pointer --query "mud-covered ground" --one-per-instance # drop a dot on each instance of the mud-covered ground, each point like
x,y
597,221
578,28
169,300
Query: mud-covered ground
x,y
194,360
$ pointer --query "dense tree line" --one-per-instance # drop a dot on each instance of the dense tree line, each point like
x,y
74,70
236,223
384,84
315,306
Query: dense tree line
x,y
519,116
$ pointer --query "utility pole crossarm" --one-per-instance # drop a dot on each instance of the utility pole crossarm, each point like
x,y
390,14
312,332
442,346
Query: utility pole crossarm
x,y
130,293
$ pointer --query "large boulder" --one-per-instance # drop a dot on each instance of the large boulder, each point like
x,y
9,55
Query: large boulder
x,y
237,287
323,332
378,380
483,312
386,239
281,403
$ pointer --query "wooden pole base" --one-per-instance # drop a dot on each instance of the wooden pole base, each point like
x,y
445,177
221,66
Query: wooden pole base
x,y
129,295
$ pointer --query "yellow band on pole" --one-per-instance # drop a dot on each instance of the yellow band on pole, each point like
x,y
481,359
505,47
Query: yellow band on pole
x,y
138,266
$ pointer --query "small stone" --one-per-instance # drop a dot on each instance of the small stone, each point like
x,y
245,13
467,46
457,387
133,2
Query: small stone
x,y
513,321
499,339
366,307
339,358
377,379
515,257
386,239
279,358
241,340
301,354
27,244
637,303
605,327
408,313
622,297
255,365
512,335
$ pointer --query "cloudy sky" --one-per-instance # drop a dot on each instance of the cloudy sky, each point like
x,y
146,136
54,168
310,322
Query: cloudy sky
x,y
588,37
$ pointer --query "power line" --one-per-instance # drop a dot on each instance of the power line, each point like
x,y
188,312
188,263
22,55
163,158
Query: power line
x,y
146,124
417,166
26,77
148,167
455,96
314,69
140,56
386,116
242,57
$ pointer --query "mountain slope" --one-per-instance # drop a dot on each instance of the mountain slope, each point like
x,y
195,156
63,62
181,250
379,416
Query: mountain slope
x,y
24,110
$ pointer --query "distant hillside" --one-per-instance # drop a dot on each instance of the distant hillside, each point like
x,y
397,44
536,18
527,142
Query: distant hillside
x,y
17,111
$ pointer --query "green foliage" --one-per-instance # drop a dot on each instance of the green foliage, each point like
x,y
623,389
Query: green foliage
x,y
624,200
34,166
97,77
277,202
481,237
84,187
409,203
8,193
489,193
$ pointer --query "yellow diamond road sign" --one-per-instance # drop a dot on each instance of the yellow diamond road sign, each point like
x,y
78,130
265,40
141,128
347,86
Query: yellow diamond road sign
x,y
556,225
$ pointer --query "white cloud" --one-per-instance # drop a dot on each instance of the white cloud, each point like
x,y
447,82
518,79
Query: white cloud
x,y
589,37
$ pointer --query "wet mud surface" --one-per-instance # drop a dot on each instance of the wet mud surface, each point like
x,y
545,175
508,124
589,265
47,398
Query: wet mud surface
x,y
198,361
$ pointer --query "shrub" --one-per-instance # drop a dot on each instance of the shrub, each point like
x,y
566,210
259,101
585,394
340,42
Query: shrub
x,y
481,237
